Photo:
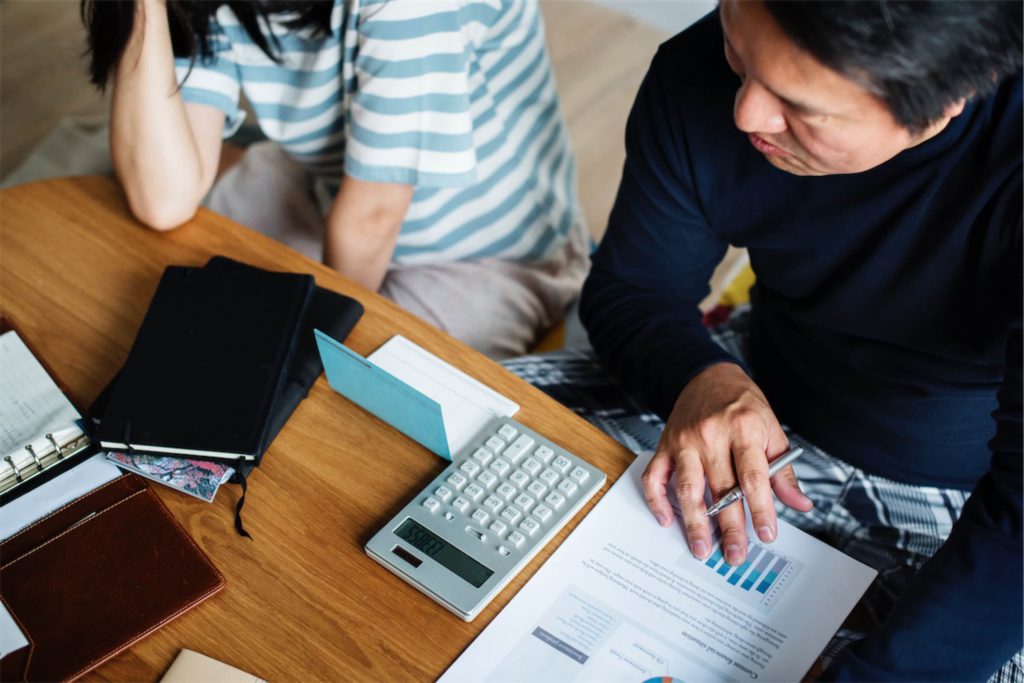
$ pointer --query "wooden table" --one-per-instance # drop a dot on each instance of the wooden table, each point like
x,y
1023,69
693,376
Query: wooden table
x,y
303,601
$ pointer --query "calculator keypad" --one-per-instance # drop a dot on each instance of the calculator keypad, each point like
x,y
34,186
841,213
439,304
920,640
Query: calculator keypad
x,y
509,489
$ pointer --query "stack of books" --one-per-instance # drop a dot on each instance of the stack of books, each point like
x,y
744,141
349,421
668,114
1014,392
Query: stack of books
x,y
224,355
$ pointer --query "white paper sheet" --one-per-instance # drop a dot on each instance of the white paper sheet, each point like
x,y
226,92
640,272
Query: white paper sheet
x,y
466,404
57,492
31,404
11,637
624,600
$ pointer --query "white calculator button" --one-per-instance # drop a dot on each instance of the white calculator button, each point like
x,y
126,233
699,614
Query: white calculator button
x,y
487,479
519,478
542,512
579,475
499,527
511,514
473,492
524,501
432,504
505,552
567,487
536,489
443,493
549,476
493,503
470,467
518,447
529,526
506,490
516,539
508,432
543,453
532,466
561,464
555,499
501,466
482,456
460,504
449,516
456,481
480,517
495,444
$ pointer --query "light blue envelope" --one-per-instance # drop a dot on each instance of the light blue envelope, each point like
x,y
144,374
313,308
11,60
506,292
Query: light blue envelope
x,y
383,394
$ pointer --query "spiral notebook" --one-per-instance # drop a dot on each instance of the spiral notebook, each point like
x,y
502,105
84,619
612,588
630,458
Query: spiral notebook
x,y
40,431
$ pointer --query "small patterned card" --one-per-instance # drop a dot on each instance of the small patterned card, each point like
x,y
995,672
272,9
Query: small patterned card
x,y
198,478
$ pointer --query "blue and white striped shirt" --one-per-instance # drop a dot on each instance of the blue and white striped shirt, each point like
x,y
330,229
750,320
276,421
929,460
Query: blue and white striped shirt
x,y
455,97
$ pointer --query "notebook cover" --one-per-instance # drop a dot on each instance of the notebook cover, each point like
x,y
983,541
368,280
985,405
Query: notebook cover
x,y
208,363
335,313
381,393
96,576
330,311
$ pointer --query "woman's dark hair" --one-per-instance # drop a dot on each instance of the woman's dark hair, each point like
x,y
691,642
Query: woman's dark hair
x,y
917,56
110,22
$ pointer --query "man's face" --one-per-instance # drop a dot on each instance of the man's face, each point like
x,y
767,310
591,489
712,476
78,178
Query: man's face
x,y
803,117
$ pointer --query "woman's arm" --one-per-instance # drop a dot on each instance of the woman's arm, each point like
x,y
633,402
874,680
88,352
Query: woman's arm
x,y
362,228
165,152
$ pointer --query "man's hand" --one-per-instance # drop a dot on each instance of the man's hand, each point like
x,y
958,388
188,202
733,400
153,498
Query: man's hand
x,y
721,430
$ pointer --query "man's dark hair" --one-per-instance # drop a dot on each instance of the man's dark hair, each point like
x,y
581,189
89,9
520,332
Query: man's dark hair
x,y
109,24
917,56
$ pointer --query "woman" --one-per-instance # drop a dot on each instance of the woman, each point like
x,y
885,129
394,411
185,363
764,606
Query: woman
x,y
429,130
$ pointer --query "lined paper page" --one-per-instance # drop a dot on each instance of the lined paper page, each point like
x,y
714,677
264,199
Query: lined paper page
x,y
31,404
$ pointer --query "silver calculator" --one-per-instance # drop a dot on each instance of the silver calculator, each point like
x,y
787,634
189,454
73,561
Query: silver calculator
x,y
503,497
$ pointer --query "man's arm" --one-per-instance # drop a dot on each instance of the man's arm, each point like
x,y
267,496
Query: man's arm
x,y
362,228
640,307
960,619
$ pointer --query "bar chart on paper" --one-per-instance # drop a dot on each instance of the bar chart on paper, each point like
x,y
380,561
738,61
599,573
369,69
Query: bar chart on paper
x,y
760,581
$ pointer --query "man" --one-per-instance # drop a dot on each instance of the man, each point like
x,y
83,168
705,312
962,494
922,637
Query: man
x,y
868,154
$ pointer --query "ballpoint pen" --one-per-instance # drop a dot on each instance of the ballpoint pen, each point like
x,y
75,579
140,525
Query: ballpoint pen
x,y
737,493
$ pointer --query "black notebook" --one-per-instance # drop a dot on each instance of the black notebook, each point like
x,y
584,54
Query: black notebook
x,y
208,363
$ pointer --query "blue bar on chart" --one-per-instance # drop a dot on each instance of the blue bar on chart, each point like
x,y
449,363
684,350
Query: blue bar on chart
x,y
734,578
769,578
716,556
754,575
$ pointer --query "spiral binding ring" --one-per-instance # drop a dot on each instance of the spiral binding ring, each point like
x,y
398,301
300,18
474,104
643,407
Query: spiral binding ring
x,y
35,458
56,446
17,474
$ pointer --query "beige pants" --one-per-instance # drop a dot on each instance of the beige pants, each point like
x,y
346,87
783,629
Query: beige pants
x,y
498,307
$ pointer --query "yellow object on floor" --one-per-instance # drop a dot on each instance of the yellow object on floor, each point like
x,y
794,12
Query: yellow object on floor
x,y
738,291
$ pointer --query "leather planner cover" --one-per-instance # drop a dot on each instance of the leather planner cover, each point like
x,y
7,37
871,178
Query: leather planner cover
x,y
96,576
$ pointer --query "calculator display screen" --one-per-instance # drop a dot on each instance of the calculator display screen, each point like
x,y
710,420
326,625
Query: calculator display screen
x,y
442,552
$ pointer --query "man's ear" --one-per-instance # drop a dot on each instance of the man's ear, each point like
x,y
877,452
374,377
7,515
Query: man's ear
x,y
955,109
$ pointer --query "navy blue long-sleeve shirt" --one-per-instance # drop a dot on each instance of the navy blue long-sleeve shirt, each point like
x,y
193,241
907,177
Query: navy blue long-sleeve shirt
x,y
886,323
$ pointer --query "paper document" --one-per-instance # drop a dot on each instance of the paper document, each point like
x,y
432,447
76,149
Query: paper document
x,y
466,404
624,600
56,493
31,404
190,666
11,637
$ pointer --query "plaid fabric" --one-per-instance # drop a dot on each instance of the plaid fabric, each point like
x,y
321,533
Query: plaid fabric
x,y
890,526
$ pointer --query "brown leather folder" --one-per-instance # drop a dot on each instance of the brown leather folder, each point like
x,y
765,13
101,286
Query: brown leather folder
x,y
96,576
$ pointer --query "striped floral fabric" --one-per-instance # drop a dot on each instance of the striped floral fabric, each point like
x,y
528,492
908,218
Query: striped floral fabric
x,y
455,97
